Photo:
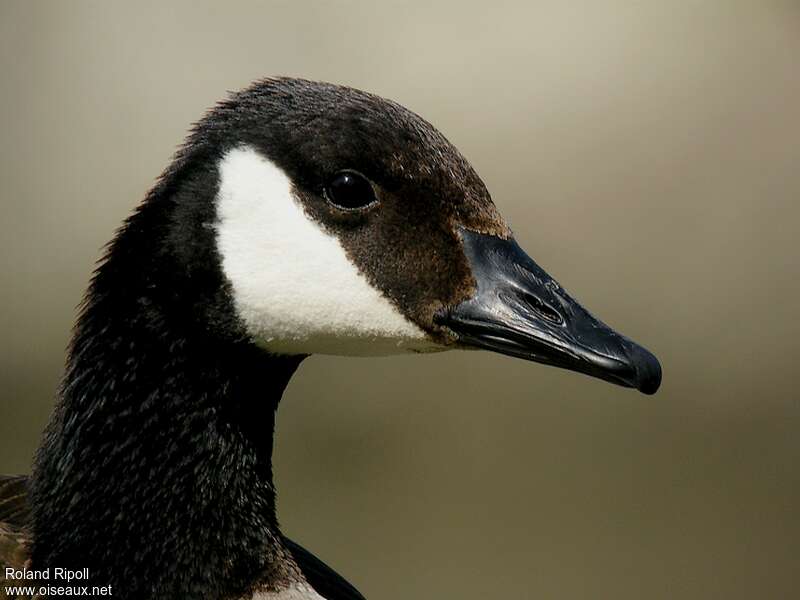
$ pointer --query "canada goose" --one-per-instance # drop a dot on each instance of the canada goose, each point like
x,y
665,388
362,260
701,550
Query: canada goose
x,y
298,218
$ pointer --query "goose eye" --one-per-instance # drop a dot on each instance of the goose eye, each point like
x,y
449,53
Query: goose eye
x,y
350,190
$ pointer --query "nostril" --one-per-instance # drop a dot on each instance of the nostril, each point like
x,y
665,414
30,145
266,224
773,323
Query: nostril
x,y
541,308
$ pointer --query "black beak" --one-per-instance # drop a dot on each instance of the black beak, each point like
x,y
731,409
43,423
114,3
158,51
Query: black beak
x,y
521,311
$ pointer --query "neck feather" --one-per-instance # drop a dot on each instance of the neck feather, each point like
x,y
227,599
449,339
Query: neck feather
x,y
155,471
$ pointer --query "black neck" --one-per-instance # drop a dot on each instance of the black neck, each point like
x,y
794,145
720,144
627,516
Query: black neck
x,y
156,472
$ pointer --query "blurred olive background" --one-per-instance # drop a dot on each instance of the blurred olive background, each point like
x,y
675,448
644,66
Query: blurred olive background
x,y
647,154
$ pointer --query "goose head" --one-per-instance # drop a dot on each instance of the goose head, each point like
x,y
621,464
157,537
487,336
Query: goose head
x,y
346,224
298,218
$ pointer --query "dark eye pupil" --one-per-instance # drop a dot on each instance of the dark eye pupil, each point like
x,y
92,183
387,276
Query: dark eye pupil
x,y
350,190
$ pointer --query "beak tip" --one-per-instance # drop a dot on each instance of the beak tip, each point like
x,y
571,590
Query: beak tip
x,y
648,371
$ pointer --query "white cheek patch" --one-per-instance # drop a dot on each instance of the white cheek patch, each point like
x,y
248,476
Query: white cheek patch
x,y
293,285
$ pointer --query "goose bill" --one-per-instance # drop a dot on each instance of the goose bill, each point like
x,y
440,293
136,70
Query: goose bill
x,y
521,311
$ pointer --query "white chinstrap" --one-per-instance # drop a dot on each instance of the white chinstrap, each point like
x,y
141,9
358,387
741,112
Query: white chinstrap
x,y
293,285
